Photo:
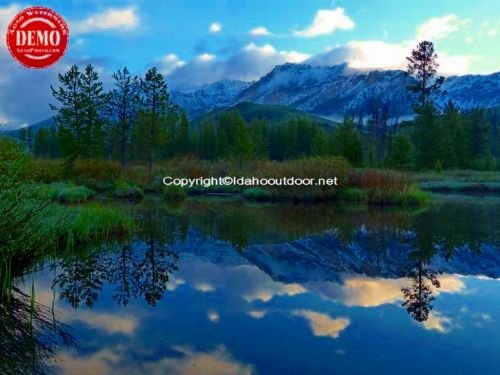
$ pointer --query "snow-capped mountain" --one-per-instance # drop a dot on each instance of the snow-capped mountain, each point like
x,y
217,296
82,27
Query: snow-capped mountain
x,y
201,100
331,91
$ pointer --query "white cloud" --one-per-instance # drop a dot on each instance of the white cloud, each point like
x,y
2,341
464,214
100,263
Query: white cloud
x,y
247,64
169,63
215,27
440,27
109,19
491,32
322,324
327,21
259,31
206,57
7,13
376,54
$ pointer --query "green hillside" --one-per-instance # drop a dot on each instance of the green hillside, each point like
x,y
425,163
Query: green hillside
x,y
273,114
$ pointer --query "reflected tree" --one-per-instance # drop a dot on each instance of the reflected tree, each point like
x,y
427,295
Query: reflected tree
x,y
152,272
418,297
80,278
123,275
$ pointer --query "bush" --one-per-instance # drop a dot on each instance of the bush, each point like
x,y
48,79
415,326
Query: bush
x,y
174,193
126,191
95,169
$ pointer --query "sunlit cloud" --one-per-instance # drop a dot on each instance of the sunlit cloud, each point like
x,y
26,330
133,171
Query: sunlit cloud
x,y
215,27
121,19
437,322
322,324
169,63
440,27
326,22
259,31
206,57
376,54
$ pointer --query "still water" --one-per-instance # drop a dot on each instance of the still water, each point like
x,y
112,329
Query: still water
x,y
225,287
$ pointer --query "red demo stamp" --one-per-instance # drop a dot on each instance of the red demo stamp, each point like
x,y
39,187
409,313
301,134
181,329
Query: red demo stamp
x,y
37,37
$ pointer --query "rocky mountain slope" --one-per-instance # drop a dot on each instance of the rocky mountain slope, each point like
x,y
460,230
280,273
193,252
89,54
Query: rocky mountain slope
x,y
331,91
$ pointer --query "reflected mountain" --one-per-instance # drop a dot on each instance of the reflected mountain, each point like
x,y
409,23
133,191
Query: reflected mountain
x,y
245,258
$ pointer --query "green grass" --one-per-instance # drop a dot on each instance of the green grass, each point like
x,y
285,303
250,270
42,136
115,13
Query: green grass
x,y
65,193
90,222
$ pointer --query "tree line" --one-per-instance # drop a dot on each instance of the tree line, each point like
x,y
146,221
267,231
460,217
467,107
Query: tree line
x,y
137,121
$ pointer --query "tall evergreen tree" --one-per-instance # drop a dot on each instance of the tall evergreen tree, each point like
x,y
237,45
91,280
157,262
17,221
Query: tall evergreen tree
x,y
422,65
69,117
94,102
183,138
346,142
124,105
150,132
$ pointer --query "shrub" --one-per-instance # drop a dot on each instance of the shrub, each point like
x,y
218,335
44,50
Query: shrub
x,y
95,169
126,191
174,193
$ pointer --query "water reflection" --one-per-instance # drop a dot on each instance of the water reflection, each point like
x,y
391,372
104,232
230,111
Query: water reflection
x,y
227,287
30,335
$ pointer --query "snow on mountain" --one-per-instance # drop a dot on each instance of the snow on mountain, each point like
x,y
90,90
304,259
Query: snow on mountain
x,y
201,100
331,91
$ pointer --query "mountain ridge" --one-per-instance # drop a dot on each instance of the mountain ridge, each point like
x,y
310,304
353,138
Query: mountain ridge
x,y
331,91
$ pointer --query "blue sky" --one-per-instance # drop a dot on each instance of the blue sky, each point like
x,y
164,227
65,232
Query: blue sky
x,y
194,42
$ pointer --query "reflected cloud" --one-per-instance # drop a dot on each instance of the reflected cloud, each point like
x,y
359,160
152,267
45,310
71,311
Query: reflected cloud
x,y
437,322
188,362
213,316
107,322
204,288
322,324
372,292
257,314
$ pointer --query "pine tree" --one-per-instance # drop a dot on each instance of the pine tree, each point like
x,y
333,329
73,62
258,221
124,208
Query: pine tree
x,y
399,153
346,142
123,107
80,113
319,145
150,132
69,117
422,65
183,138
94,103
